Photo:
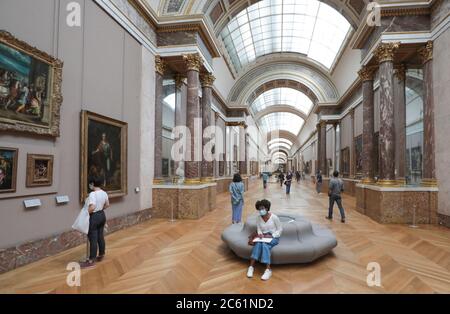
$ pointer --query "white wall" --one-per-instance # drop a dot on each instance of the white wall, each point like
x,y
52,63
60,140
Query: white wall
x,y
346,70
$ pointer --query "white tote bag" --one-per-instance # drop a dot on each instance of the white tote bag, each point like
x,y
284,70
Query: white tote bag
x,y
82,222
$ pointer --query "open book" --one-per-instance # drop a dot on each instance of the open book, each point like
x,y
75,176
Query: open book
x,y
265,240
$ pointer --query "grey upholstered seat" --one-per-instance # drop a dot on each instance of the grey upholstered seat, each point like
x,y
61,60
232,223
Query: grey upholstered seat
x,y
300,242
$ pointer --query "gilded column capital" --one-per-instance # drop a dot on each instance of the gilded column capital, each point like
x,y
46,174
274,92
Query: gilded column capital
x,y
322,123
193,62
385,51
426,52
207,79
366,73
400,72
179,80
160,65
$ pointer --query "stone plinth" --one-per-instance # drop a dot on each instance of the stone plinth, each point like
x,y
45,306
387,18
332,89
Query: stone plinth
x,y
396,204
183,201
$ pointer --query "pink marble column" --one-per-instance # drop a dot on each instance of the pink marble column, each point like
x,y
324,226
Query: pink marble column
x,y
243,150
366,75
318,147
193,122
207,81
385,56
429,169
160,67
400,123
323,148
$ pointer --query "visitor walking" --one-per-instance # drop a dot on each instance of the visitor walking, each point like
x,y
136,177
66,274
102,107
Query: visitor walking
x,y
335,187
281,178
268,226
237,198
288,182
319,182
297,176
265,178
98,202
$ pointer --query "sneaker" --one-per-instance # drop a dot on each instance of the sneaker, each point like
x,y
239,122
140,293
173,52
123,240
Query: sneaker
x,y
329,218
100,258
343,220
87,264
267,274
250,271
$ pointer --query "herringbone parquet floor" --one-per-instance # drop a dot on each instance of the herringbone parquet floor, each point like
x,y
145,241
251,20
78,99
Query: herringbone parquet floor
x,y
188,256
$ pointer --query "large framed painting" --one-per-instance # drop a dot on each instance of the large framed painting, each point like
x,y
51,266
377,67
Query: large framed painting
x,y
358,155
8,169
345,161
30,88
103,154
39,170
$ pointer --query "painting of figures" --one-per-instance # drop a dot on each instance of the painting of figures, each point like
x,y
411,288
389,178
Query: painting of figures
x,y
29,88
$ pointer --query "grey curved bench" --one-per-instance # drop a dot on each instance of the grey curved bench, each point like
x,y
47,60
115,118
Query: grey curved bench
x,y
300,242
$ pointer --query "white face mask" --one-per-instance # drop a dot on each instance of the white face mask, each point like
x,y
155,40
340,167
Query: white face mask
x,y
262,212
91,187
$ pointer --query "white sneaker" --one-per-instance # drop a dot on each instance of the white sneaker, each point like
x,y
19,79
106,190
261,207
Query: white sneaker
x,y
267,274
250,271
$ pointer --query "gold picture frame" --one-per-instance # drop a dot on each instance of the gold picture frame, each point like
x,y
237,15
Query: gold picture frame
x,y
39,170
103,154
30,88
8,169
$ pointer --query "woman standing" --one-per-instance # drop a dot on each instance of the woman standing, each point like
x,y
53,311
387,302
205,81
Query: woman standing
x,y
98,202
288,182
268,226
237,198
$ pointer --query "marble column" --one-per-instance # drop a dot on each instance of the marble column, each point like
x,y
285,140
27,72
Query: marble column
x,y
400,123
216,159
318,147
160,67
366,75
323,148
243,149
207,81
429,168
180,119
385,55
193,120
352,144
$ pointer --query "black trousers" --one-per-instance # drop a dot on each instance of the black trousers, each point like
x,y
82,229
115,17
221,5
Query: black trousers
x,y
338,200
97,222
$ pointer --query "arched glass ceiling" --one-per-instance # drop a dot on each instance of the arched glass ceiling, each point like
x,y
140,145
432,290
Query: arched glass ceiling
x,y
279,155
282,96
276,145
280,140
281,121
304,26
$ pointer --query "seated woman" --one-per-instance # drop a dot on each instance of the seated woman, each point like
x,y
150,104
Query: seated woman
x,y
268,226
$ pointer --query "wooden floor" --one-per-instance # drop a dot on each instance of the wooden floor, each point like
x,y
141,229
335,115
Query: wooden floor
x,y
189,257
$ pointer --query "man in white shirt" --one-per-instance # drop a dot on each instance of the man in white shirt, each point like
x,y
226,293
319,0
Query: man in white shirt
x,y
268,226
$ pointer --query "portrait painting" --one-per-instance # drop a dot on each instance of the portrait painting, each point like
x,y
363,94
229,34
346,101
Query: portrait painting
x,y
8,169
345,161
103,154
39,170
30,88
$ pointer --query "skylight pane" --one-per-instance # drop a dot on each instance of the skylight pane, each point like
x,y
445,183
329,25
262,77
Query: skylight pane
x,y
282,96
281,121
302,26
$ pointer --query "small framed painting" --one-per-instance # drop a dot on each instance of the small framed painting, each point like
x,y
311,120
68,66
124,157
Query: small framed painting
x,y
8,169
39,170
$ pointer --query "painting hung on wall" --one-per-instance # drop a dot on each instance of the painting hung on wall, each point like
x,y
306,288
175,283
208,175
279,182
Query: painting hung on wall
x,y
30,88
8,169
103,154
39,170
358,155
345,161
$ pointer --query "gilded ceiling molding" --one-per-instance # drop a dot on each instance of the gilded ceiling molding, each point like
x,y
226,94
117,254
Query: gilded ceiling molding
x,y
426,53
160,65
207,79
367,73
193,61
405,11
385,51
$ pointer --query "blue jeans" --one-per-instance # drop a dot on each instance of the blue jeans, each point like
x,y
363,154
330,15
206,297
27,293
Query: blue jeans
x,y
237,211
261,251
288,188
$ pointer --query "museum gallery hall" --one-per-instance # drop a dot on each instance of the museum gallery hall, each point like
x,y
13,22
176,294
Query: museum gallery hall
x,y
129,120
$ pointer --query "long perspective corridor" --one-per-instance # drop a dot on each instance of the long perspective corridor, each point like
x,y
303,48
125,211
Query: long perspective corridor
x,y
187,256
